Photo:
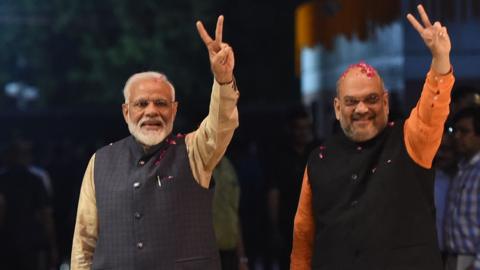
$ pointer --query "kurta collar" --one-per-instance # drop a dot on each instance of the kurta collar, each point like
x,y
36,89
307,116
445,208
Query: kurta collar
x,y
136,148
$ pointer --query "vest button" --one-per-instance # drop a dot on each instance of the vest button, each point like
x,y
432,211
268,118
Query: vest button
x,y
136,185
141,163
354,176
138,215
140,245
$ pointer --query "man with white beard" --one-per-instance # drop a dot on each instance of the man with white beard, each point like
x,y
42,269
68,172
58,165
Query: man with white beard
x,y
145,201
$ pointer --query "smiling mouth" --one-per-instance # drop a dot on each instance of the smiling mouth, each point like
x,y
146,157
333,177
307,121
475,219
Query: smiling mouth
x,y
362,120
152,125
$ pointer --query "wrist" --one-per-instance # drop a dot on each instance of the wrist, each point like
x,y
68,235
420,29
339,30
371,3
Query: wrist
x,y
224,80
441,64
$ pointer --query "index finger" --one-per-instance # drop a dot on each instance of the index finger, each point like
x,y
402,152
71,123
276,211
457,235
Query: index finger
x,y
415,23
219,29
424,16
203,33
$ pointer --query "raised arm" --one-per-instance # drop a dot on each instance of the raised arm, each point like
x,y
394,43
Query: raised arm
x,y
423,129
208,143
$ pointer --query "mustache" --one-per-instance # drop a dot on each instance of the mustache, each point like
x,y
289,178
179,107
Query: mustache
x,y
151,121
363,116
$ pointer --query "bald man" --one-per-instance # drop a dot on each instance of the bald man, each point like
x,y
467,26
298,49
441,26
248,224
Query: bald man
x,y
367,195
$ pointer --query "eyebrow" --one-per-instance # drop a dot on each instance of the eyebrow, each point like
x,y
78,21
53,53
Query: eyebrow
x,y
372,92
147,97
367,95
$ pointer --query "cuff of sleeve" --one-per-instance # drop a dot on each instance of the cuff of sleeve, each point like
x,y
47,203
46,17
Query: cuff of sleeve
x,y
227,90
232,82
439,74
437,80
439,86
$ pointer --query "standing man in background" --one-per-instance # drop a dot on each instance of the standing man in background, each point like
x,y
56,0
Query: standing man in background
x,y
226,219
462,220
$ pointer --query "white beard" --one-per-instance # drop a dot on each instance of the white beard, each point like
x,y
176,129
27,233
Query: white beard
x,y
149,137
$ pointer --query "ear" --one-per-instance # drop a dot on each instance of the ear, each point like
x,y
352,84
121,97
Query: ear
x,y
125,112
336,106
174,110
386,102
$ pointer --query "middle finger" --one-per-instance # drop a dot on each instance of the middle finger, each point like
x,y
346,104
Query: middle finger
x,y
424,16
219,30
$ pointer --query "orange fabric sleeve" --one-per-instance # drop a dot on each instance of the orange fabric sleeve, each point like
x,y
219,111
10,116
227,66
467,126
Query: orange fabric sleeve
x,y
304,229
424,127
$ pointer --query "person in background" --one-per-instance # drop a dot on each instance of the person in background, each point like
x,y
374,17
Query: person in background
x,y
445,164
285,182
27,230
464,96
226,220
462,222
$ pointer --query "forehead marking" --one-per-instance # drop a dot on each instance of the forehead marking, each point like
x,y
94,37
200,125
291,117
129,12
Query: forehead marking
x,y
365,68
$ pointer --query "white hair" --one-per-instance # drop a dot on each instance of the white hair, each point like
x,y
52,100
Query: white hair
x,y
146,76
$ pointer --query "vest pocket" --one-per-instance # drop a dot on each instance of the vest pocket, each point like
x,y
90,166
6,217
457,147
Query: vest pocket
x,y
165,182
194,263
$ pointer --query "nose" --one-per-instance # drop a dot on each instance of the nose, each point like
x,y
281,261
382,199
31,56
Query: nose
x,y
151,110
361,108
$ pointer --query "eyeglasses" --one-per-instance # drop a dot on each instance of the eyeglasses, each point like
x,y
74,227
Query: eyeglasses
x,y
372,99
161,104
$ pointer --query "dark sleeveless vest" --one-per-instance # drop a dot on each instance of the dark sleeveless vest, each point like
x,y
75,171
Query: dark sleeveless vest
x,y
372,205
152,213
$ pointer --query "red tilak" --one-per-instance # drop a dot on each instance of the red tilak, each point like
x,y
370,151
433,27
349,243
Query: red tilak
x,y
365,68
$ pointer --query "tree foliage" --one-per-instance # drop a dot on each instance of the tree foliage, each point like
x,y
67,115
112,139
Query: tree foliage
x,y
81,52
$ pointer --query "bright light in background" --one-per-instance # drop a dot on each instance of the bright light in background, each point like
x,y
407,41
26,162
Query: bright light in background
x,y
320,68
311,79
22,93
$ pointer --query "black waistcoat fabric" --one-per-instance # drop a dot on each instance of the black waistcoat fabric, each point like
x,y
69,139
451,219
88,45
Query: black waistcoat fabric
x,y
372,206
152,214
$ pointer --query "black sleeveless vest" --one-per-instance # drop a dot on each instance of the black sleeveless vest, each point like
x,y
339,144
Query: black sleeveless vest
x,y
372,205
152,213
